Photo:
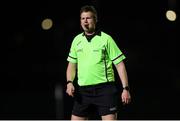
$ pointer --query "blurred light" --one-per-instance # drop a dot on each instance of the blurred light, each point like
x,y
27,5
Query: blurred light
x,y
59,92
59,101
46,24
171,15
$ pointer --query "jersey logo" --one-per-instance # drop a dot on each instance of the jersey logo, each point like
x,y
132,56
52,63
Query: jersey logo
x,y
96,50
78,43
79,50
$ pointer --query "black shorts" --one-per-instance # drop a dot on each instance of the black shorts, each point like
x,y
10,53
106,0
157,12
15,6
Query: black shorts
x,y
102,98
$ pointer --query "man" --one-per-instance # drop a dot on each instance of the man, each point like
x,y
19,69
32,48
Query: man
x,y
92,54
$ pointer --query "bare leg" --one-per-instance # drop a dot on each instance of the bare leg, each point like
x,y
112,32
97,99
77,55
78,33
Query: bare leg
x,y
73,117
109,117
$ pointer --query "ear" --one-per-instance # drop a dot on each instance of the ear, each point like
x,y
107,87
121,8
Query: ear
x,y
96,19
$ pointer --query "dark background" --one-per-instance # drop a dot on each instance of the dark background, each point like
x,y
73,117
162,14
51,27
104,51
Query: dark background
x,y
33,60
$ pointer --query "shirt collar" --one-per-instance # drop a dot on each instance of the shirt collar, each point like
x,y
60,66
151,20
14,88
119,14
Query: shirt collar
x,y
98,32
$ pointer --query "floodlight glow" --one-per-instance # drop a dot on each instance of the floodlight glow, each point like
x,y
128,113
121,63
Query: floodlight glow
x,y
46,24
171,15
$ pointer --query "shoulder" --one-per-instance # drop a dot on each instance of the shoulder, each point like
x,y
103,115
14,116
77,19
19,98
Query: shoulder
x,y
106,36
78,37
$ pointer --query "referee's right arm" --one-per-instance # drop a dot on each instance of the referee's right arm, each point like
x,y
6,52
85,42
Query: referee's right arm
x,y
70,75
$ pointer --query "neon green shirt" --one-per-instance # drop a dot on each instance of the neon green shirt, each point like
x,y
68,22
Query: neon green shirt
x,y
94,59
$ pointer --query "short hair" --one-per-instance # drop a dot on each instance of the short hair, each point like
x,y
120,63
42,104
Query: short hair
x,y
90,8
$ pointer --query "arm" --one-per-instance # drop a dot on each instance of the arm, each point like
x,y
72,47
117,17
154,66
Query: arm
x,y
70,75
124,80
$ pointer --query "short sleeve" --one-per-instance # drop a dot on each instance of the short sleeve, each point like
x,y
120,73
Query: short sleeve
x,y
72,57
115,54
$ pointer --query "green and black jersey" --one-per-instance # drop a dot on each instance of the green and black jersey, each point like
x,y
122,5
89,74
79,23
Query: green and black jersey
x,y
94,58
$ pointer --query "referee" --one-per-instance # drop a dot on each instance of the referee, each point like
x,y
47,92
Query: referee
x,y
92,55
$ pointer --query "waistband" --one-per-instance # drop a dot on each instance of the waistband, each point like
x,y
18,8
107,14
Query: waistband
x,y
98,85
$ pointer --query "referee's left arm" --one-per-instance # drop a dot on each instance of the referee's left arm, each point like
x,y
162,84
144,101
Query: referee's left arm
x,y
124,80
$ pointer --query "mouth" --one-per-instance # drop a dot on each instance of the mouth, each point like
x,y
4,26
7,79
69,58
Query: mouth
x,y
86,26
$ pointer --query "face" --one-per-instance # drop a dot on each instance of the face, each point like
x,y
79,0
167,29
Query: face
x,y
88,22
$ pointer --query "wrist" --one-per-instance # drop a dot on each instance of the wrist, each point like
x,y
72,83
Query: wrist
x,y
69,82
126,88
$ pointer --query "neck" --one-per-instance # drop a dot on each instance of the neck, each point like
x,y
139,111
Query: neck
x,y
89,33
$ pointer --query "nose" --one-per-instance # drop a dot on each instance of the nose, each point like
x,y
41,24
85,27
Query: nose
x,y
85,20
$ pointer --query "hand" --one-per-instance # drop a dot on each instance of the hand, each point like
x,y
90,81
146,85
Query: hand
x,y
126,97
70,89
